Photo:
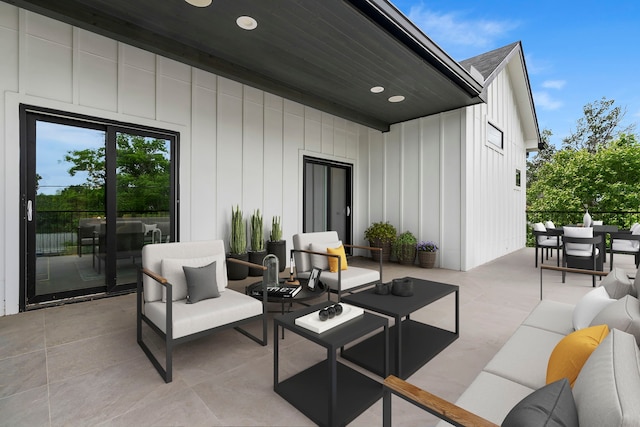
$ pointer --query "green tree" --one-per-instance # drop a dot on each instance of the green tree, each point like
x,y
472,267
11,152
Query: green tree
x,y
542,156
600,124
142,181
605,181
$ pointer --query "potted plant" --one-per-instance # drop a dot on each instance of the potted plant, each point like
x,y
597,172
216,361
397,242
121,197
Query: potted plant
x,y
237,246
258,251
427,254
404,248
275,244
380,235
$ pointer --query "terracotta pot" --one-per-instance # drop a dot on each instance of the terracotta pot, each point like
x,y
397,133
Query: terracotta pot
x,y
426,259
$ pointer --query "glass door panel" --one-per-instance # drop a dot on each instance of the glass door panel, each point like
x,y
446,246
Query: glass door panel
x,y
67,209
143,199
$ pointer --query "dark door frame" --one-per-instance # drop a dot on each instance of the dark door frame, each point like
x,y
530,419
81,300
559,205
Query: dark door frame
x,y
348,167
29,115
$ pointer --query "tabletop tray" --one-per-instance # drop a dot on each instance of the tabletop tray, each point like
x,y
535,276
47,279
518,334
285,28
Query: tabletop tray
x,y
313,323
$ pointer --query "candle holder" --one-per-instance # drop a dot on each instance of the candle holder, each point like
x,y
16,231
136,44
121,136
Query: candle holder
x,y
292,281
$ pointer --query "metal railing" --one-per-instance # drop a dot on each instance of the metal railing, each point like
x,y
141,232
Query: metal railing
x,y
623,219
57,231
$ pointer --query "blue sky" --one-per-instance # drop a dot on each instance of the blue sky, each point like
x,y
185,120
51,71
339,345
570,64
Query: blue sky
x,y
576,52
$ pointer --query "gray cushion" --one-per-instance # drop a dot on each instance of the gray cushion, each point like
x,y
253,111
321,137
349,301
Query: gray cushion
x,y
623,314
551,405
201,283
607,390
618,284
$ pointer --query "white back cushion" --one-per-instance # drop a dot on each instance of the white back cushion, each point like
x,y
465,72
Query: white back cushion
x,y
320,261
304,240
152,256
578,232
549,224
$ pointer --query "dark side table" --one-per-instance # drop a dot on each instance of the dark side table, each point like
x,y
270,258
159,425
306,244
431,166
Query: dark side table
x,y
412,343
330,393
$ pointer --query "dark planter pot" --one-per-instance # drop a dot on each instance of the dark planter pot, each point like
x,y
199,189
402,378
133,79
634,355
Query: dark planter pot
x,y
237,271
386,250
256,257
279,249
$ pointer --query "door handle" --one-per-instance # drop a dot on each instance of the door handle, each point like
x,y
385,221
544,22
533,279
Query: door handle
x,y
348,211
29,210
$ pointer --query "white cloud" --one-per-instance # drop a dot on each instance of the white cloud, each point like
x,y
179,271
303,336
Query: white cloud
x,y
455,28
554,84
546,101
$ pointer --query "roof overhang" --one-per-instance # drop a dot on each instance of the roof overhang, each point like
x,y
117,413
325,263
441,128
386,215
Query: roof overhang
x,y
325,54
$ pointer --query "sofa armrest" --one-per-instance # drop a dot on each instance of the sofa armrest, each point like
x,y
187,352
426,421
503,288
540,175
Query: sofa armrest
x,y
431,403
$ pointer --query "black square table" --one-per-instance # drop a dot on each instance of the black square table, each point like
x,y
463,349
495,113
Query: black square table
x,y
412,344
331,393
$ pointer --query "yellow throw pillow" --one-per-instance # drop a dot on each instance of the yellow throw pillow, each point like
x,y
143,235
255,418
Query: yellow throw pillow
x,y
333,262
572,352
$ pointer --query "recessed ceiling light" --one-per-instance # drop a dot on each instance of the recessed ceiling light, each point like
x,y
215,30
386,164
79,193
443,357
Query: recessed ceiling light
x,y
396,98
377,89
199,3
246,23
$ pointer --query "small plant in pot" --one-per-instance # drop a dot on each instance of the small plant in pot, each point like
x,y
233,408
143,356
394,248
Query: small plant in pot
x,y
237,246
258,251
404,248
275,244
427,253
380,235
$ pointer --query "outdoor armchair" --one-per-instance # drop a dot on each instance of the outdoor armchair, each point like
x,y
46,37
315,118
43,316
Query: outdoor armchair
x,y
311,250
626,242
549,239
581,250
182,295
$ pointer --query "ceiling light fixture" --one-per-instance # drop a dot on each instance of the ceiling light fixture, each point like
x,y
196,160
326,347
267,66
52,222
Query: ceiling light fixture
x,y
377,89
199,3
396,98
246,23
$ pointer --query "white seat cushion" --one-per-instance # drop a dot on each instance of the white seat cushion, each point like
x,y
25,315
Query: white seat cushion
x,y
525,356
625,245
481,397
552,316
581,252
189,319
351,277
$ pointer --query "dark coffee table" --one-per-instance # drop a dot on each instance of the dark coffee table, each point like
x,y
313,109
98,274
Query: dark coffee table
x,y
330,393
305,294
412,344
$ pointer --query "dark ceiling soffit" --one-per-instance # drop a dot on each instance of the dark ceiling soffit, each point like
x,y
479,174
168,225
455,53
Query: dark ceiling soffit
x,y
382,13
136,36
394,22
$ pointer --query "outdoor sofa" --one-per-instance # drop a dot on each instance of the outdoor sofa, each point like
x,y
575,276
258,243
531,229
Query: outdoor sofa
x,y
512,388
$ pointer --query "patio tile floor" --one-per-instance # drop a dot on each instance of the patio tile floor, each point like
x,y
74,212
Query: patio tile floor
x,y
79,364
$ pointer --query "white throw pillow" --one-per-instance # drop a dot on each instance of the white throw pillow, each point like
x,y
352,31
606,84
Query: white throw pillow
x,y
320,261
589,306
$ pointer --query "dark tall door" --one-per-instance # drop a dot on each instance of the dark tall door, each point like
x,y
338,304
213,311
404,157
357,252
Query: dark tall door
x,y
93,195
327,197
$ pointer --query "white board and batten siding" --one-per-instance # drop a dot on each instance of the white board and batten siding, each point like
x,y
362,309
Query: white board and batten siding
x,y
238,144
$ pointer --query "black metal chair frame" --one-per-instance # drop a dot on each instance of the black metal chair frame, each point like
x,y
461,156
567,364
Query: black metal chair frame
x,y
550,232
624,235
166,372
593,262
